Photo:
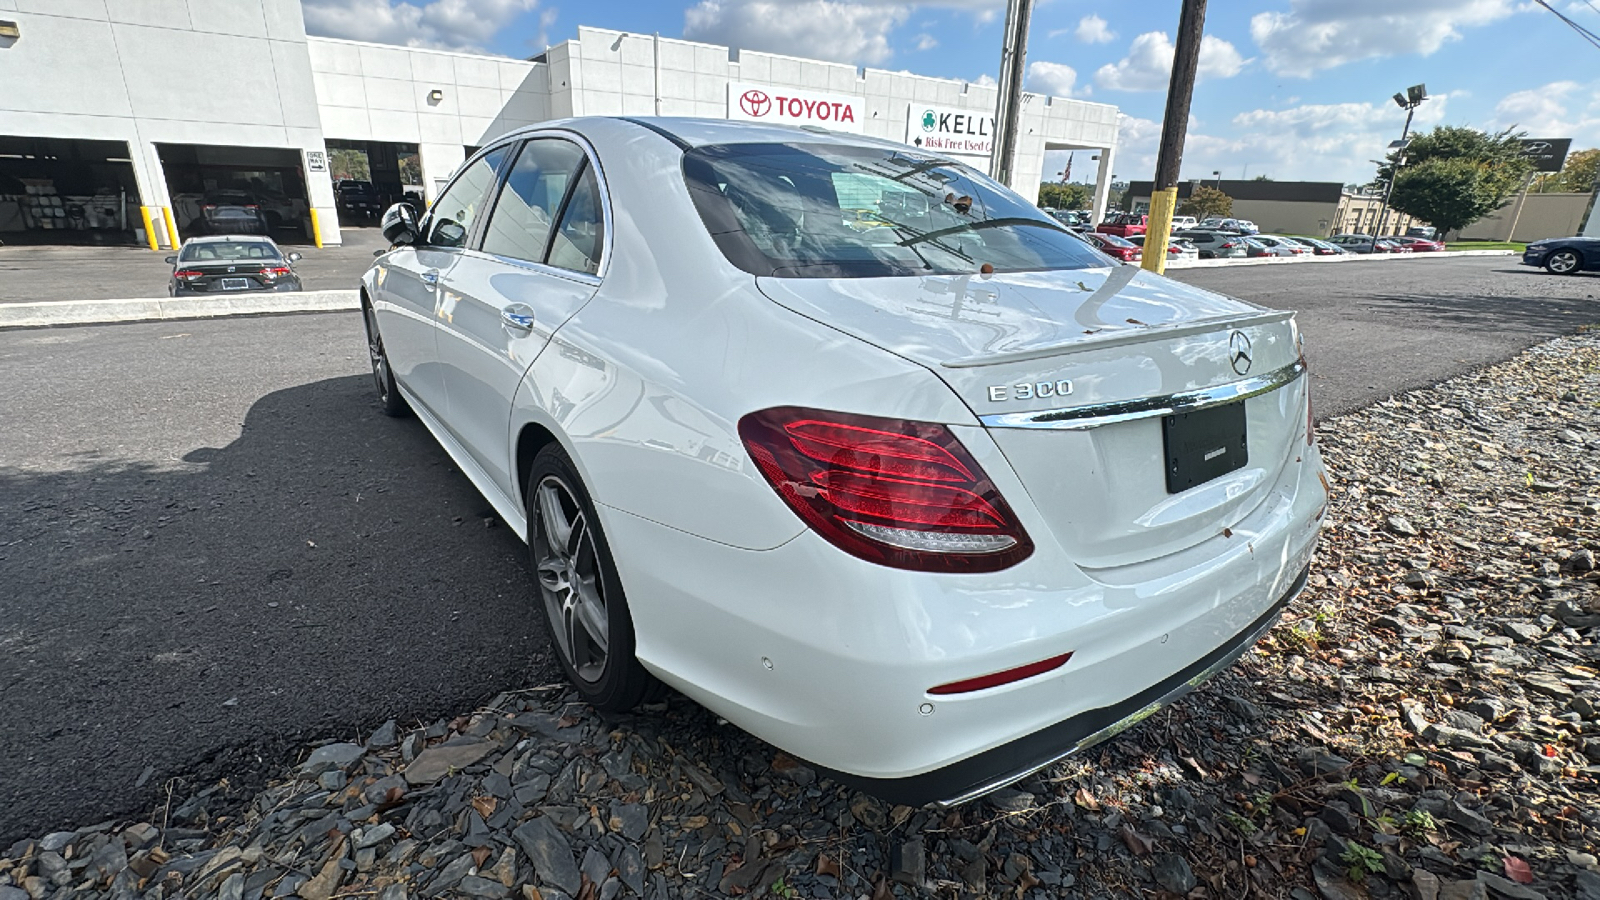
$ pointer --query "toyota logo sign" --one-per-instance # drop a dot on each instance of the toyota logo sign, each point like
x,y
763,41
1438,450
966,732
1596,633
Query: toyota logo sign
x,y
755,103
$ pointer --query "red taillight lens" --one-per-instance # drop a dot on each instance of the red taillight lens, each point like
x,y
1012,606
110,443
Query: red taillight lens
x,y
187,273
272,272
901,494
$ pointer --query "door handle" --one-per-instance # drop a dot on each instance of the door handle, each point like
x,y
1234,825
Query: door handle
x,y
517,317
431,278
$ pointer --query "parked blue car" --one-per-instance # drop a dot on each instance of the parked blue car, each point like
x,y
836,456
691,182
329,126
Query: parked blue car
x,y
1564,256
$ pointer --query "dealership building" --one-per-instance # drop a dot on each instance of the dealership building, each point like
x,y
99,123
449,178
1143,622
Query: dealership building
x,y
122,120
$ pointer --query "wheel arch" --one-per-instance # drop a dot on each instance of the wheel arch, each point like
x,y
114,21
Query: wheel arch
x,y
531,438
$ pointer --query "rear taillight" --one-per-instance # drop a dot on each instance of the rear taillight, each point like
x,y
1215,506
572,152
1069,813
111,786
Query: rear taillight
x,y
187,274
892,492
272,272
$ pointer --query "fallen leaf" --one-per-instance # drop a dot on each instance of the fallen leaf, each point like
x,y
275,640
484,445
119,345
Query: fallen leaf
x,y
1138,843
1086,800
484,805
480,856
1518,870
899,815
567,721
826,865
696,822
1135,322
880,891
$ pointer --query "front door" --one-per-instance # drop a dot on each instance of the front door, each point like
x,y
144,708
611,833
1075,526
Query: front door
x,y
536,264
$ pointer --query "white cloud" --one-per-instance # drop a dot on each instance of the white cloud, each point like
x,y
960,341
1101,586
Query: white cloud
x,y
819,29
547,18
1557,109
1092,30
1148,65
926,41
442,24
985,80
1313,142
1316,34
1054,79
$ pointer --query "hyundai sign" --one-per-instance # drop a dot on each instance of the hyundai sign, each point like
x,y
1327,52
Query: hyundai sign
x,y
1546,154
950,131
787,106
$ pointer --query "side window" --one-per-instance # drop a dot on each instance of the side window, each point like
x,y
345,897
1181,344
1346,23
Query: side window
x,y
457,208
522,219
581,235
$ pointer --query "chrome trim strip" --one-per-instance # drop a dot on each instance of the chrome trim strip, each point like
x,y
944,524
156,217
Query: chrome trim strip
x,y
1078,418
1121,725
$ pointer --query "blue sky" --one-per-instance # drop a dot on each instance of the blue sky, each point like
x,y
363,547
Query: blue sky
x,y
1291,89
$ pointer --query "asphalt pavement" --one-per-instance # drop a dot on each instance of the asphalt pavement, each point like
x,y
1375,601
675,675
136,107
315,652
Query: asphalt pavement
x,y
30,274
214,548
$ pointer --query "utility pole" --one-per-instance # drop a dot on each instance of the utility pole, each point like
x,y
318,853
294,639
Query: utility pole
x,y
1174,127
1008,114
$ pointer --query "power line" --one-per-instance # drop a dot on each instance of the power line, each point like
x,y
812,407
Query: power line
x,y
1583,32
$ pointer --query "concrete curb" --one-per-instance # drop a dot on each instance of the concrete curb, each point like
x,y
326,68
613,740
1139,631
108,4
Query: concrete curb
x,y
1347,258
85,312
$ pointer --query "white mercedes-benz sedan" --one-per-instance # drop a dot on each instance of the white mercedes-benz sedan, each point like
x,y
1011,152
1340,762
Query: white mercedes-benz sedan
x,y
848,442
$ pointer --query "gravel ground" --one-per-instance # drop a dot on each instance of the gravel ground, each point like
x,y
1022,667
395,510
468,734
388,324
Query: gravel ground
x,y
1422,724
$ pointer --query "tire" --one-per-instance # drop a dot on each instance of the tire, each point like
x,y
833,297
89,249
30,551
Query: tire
x,y
578,590
1563,262
389,399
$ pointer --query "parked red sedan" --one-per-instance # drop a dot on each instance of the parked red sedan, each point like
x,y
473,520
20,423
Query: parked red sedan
x,y
1113,246
1420,245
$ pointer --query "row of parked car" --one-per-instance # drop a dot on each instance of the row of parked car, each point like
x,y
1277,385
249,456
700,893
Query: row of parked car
x,y
1205,243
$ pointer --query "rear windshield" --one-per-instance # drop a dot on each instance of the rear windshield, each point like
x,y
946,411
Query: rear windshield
x,y
829,211
228,250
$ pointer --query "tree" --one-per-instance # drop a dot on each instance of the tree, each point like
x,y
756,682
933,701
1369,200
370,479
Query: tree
x,y
1065,196
351,164
1448,194
1262,178
1578,175
1454,176
1205,202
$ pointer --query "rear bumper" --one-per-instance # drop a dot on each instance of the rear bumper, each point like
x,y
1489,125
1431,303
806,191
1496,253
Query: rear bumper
x,y
978,775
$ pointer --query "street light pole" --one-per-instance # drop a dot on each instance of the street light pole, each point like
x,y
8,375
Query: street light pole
x,y
1409,101
1008,113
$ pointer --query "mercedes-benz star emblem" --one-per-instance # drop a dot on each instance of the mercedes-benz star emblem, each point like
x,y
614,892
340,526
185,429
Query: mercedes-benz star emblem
x,y
1239,352
755,103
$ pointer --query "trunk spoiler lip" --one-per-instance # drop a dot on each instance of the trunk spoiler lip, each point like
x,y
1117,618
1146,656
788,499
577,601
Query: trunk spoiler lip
x,y
1120,338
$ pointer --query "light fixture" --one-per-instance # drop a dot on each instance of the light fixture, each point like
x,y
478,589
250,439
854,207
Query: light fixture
x,y
1417,93
435,95
9,30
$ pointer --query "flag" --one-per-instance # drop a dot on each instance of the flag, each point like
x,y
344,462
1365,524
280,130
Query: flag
x,y
1066,174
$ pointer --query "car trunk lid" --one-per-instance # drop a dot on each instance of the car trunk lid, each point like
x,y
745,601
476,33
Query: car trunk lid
x,y
1061,367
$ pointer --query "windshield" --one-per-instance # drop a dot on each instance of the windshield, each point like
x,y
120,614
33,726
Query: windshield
x,y
830,211
228,250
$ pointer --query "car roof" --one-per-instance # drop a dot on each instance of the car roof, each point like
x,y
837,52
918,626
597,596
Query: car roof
x,y
232,238
696,132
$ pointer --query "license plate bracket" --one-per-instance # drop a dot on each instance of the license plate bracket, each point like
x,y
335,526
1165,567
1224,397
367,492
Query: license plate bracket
x,y
1203,445
235,284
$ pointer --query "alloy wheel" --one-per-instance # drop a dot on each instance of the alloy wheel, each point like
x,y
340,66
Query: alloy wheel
x,y
1563,262
570,583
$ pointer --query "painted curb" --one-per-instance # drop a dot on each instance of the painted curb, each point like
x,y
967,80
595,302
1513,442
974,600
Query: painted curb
x,y
87,312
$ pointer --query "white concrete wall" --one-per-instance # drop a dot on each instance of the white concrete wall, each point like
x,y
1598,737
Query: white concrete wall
x,y
373,92
220,72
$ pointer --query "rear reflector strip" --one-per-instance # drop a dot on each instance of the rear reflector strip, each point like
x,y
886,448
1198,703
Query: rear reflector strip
x,y
998,678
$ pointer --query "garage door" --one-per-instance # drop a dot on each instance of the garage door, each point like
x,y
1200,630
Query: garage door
x,y
222,190
67,191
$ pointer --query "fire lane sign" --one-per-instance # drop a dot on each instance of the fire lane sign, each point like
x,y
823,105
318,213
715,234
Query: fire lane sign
x,y
785,106
948,130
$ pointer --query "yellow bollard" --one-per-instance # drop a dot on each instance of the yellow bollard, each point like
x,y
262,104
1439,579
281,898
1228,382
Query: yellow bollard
x,y
172,227
149,228
1159,230
316,229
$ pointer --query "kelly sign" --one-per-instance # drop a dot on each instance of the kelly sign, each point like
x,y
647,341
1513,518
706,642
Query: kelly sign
x,y
787,106
944,129
1547,154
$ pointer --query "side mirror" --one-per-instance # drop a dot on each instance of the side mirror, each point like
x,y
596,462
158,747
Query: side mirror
x,y
172,260
400,225
295,257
